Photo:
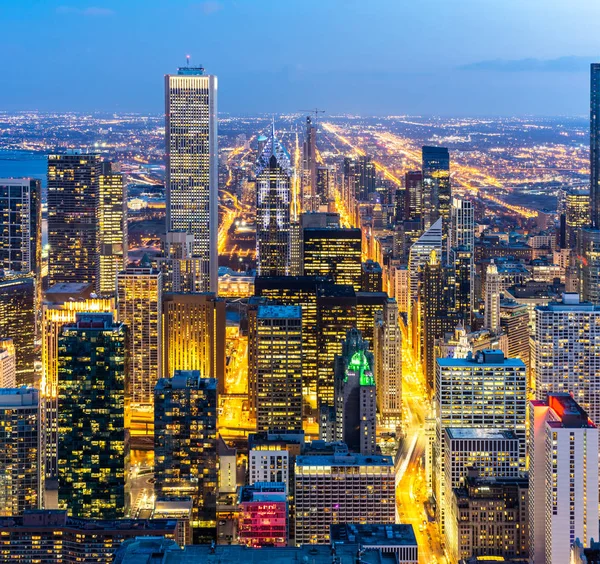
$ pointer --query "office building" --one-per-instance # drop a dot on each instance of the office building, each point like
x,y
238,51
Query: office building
x,y
21,225
372,277
566,351
73,180
573,215
484,391
296,291
336,314
273,209
49,537
462,224
191,164
413,194
595,145
436,187
325,183
398,540
355,396
139,298
112,229
462,272
368,305
21,462
278,344
492,298
588,251
182,272
61,304
269,463
333,252
193,331
185,445
309,167
93,425
387,347
8,364
342,488
263,515
563,478
514,321
18,322
365,177
488,518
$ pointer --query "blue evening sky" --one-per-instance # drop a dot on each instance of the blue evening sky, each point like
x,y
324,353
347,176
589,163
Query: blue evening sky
x,y
443,57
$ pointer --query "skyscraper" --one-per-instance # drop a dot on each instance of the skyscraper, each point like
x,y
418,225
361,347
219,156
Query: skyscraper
x,y
21,458
139,297
185,444
21,225
563,478
413,194
193,329
191,164
8,364
72,217
492,298
309,166
595,145
333,252
278,344
436,187
387,346
273,209
112,229
93,443
17,322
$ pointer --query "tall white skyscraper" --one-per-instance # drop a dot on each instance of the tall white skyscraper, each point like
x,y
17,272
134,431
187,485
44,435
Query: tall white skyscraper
x,y
191,164
566,352
563,478
462,224
492,298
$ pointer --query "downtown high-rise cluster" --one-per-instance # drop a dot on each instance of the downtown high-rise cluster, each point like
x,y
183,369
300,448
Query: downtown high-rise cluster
x,y
399,376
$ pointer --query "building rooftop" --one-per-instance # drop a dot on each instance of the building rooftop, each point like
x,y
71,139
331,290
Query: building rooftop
x,y
470,433
18,397
569,412
373,535
344,459
484,358
186,379
279,312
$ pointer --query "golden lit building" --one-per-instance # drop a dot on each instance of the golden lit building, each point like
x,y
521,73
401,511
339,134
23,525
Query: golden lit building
x,y
279,368
112,229
194,334
139,298
333,252
61,305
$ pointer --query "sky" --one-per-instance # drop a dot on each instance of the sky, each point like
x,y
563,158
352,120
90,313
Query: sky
x,y
369,57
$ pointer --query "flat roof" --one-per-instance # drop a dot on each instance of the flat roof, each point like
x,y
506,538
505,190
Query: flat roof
x,y
373,535
279,312
344,459
470,433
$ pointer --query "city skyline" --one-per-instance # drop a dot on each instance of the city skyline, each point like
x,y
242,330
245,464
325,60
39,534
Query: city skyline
x,y
505,67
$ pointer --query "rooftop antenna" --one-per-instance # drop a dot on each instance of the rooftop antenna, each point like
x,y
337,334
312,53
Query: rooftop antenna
x,y
187,59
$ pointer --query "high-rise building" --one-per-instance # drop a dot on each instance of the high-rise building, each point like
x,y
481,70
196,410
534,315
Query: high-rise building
x,y
368,305
269,463
387,347
112,229
325,183
73,181
8,364
185,444
365,177
437,192
191,164
139,298
487,391
462,224
193,330
336,314
487,517
595,145
93,436
514,321
61,304
574,214
182,272
263,515
273,209
492,298
18,322
413,194
461,263
588,243
278,343
21,462
21,225
342,488
566,351
309,166
335,253
297,291
372,277
355,396
563,478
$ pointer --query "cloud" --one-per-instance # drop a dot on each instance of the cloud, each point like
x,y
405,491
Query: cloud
x,y
209,7
560,64
90,11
